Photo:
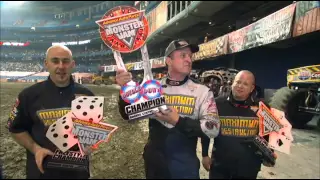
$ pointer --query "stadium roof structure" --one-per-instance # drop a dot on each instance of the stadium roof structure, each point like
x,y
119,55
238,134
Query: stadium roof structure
x,y
53,7
63,5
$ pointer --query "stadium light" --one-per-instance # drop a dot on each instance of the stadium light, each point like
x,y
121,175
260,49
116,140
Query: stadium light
x,y
13,3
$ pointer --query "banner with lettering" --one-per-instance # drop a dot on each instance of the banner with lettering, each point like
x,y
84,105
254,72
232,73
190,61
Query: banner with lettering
x,y
236,40
139,65
215,47
162,14
129,66
158,62
307,17
151,17
273,28
157,17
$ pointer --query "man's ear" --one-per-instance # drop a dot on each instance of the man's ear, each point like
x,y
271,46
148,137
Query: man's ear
x,y
168,60
46,63
252,88
73,63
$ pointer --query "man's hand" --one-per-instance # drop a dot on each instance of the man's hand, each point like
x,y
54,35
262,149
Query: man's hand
x,y
206,163
123,77
170,115
40,153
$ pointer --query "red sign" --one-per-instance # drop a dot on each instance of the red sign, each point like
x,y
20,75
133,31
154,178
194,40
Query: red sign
x,y
124,29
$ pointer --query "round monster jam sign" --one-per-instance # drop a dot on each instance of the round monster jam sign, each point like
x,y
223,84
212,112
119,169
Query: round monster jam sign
x,y
124,29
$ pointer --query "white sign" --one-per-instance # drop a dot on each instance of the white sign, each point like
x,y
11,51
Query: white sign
x,y
72,43
139,65
109,68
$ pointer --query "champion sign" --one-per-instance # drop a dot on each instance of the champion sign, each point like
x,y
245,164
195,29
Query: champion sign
x,y
151,89
130,93
124,29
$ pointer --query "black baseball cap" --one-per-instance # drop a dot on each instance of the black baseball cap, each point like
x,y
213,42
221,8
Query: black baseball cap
x,y
179,44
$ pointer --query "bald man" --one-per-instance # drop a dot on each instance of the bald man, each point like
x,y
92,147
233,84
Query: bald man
x,y
231,158
39,106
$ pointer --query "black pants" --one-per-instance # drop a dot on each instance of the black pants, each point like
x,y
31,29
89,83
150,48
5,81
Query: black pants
x,y
155,164
217,172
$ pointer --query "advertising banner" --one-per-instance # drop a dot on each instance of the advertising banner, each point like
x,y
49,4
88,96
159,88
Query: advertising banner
x,y
273,28
215,47
139,65
109,68
236,40
157,17
152,17
129,66
307,17
161,14
158,62
2,43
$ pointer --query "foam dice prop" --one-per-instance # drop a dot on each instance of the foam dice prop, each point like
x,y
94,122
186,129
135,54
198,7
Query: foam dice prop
x,y
282,139
88,108
81,126
273,123
60,133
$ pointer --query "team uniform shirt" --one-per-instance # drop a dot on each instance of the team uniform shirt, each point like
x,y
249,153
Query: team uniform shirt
x,y
36,108
171,151
239,123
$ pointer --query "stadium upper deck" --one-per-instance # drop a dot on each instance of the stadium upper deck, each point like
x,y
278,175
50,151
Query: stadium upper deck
x,y
31,14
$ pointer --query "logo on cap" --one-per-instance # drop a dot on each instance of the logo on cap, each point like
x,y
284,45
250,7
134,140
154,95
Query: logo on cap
x,y
183,43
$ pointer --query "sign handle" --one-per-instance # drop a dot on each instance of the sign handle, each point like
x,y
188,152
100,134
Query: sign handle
x,y
119,61
146,64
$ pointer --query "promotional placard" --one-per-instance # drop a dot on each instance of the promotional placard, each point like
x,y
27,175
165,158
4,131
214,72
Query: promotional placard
x,y
124,29
272,123
81,129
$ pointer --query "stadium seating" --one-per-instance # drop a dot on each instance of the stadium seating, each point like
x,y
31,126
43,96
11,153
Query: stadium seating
x,y
29,59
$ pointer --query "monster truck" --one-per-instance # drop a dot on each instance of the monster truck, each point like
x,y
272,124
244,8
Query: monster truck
x,y
300,100
218,79
104,79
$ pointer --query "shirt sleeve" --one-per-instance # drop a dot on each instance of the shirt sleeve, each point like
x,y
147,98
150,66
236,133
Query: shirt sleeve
x,y
209,123
121,105
19,119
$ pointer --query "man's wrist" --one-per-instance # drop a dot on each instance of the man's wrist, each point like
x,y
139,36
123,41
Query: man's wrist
x,y
205,155
35,148
175,121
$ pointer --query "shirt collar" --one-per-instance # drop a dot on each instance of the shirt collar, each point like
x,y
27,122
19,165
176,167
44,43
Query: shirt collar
x,y
244,104
174,82
51,83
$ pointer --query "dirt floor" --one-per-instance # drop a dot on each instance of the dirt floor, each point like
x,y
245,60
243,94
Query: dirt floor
x,y
122,157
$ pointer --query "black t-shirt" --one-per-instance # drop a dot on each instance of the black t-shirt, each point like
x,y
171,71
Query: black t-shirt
x,y
239,122
36,108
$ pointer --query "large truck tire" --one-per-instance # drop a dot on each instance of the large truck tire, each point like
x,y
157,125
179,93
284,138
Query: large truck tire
x,y
288,101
